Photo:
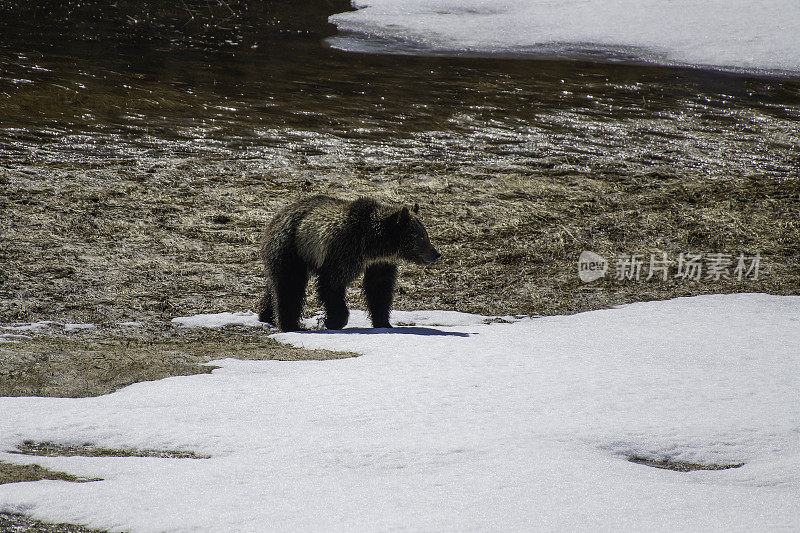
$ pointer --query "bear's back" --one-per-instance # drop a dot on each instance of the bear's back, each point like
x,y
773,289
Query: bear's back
x,y
319,226
297,227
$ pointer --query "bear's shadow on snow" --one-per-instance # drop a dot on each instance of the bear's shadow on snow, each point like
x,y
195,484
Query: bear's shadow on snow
x,y
402,330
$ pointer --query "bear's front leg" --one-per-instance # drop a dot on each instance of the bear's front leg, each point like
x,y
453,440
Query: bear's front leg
x,y
379,279
289,280
331,293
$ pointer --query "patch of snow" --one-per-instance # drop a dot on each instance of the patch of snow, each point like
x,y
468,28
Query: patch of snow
x,y
77,327
33,326
728,34
218,320
12,337
440,318
475,426
38,327
9,332
132,324
358,319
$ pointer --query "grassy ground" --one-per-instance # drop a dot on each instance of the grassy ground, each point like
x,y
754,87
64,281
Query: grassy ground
x,y
53,363
148,243
21,523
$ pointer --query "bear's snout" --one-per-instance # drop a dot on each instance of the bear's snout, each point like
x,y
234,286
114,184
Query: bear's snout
x,y
431,256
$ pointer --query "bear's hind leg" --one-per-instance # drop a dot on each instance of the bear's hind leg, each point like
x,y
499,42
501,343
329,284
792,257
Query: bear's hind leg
x,y
266,308
332,296
289,283
379,279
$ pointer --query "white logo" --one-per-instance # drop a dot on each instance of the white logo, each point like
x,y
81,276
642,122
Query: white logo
x,y
591,266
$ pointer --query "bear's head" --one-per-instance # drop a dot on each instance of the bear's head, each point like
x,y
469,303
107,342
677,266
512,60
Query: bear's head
x,y
415,245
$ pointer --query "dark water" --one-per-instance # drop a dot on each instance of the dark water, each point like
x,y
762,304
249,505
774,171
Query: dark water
x,y
301,102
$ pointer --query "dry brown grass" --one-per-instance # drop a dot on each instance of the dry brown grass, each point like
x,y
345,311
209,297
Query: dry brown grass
x,y
90,363
17,522
12,473
54,449
680,466
149,242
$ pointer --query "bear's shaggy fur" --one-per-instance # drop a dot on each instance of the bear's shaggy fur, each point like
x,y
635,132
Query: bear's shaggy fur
x,y
338,240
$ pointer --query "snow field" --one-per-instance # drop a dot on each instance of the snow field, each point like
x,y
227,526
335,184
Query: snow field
x,y
452,424
726,34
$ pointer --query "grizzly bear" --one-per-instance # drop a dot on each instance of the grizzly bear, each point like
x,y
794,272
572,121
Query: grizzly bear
x,y
338,240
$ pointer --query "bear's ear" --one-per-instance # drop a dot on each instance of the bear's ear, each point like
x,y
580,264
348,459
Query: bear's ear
x,y
416,208
403,217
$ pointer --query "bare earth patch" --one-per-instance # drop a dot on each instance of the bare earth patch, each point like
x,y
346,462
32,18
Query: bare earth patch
x,y
21,523
680,466
11,473
94,362
54,449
